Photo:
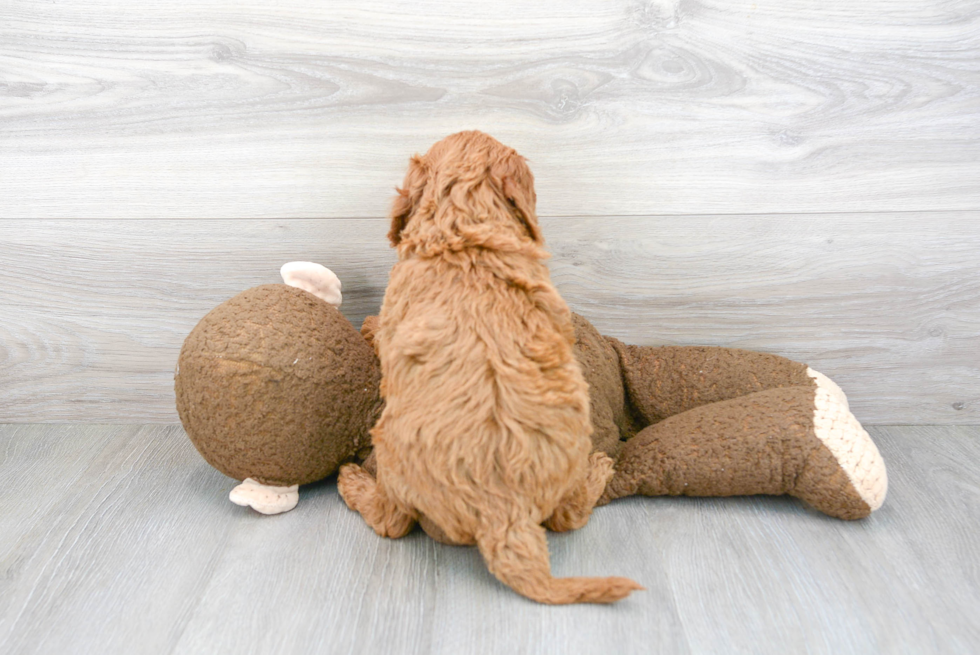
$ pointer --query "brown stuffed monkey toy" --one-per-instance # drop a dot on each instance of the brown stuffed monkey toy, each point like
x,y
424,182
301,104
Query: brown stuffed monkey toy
x,y
276,388
709,421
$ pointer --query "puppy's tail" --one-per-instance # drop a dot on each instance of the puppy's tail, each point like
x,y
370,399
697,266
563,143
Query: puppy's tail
x,y
518,556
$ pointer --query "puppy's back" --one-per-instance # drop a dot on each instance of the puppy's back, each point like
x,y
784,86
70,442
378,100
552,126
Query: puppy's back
x,y
487,425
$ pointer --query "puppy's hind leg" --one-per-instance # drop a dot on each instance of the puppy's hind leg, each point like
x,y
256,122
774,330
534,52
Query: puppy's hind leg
x,y
575,508
363,494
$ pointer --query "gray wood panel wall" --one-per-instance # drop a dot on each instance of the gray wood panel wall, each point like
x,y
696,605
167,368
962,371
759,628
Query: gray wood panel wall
x,y
886,304
795,177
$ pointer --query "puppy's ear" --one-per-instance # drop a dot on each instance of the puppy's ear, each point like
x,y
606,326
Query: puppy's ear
x,y
517,184
408,198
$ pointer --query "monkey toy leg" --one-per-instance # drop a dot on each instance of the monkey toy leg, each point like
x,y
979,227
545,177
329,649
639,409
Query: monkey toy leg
x,y
724,422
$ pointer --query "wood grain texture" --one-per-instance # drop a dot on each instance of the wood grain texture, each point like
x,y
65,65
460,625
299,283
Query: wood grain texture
x,y
221,109
94,312
133,547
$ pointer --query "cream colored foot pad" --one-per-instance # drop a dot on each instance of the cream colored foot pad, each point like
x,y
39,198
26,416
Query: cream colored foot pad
x,y
849,443
264,498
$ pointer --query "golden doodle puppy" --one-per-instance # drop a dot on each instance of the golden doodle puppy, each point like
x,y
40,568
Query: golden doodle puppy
x,y
486,425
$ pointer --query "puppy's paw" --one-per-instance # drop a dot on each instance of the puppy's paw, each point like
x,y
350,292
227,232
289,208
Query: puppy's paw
x,y
355,484
362,494
600,473
369,328
574,510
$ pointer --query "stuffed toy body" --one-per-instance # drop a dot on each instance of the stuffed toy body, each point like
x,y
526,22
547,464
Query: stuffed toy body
x,y
275,387
710,421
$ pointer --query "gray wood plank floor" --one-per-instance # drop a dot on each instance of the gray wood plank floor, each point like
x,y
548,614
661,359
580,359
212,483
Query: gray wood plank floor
x,y
120,539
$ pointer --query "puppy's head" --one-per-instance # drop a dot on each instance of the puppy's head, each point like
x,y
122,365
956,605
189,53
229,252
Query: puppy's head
x,y
461,189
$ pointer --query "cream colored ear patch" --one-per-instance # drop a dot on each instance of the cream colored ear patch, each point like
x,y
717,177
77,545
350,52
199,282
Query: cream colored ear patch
x,y
849,443
318,280
264,498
